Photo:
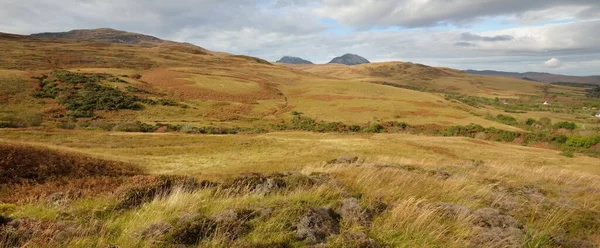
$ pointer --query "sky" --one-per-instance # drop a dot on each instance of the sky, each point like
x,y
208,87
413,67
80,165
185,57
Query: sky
x,y
555,36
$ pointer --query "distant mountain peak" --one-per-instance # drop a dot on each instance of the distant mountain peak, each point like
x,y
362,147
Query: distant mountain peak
x,y
293,60
349,59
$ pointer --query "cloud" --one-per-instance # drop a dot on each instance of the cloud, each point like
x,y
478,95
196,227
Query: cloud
x,y
473,37
419,13
553,63
464,44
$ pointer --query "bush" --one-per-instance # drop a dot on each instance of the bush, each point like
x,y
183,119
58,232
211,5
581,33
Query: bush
x,y
467,131
582,141
48,89
508,120
374,128
566,125
21,120
136,126
530,122
98,97
77,78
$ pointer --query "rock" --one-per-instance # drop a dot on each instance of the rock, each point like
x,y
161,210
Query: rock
x,y
293,60
349,59
317,224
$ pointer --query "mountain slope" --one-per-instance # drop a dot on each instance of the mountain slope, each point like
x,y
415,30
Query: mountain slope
x,y
293,60
349,59
101,35
540,76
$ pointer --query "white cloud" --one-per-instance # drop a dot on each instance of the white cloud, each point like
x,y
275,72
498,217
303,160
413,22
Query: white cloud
x,y
552,63
319,30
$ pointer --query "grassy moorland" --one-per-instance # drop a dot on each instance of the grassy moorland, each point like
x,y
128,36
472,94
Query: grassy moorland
x,y
163,144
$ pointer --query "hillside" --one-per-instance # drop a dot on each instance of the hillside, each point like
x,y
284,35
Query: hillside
x,y
349,59
180,84
541,77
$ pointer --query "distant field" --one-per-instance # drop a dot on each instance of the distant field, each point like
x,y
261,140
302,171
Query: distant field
x,y
199,154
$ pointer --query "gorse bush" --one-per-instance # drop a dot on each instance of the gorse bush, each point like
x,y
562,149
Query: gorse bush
x,y
77,78
98,97
579,141
82,94
136,126
48,89
472,130
20,120
566,125
508,120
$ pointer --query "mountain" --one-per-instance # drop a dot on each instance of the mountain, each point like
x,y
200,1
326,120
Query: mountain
x,y
294,60
540,77
349,59
102,35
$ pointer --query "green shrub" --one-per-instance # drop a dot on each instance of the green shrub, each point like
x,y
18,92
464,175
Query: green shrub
x,y
566,125
21,120
77,78
467,131
561,139
508,120
530,122
374,128
136,126
97,97
582,141
48,89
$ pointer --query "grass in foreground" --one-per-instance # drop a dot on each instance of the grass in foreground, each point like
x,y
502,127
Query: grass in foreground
x,y
395,193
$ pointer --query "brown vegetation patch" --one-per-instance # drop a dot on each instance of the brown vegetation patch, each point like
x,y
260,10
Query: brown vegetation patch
x,y
60,191
24,232
230,112
357,109
178,87
419,112
436,149
428,104
458,117
328,98
480,142
141,189
30,164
